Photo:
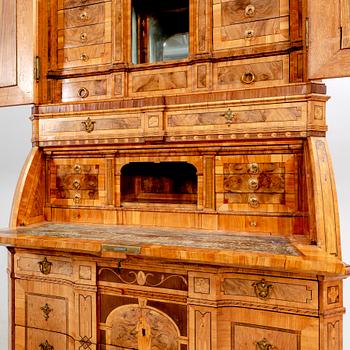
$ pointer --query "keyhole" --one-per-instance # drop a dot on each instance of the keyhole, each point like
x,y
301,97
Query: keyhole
x,y
143,332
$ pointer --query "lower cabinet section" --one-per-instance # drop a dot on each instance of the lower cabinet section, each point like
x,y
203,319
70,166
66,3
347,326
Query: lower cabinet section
x,y
153,305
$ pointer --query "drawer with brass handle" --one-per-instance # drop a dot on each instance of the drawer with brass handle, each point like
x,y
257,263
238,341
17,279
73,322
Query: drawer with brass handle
x,y
270,292
250,73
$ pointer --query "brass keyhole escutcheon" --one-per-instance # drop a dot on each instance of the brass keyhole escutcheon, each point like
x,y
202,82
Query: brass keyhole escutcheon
x,y
46,346
262,289
76,184
250,11
45,266
88,125
83,92
264,344
253,184
83,37
84,57
253,202
248,78
46,311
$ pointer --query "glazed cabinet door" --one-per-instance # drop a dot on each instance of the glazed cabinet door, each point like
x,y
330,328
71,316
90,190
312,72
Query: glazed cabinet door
x,y
17,47
329,38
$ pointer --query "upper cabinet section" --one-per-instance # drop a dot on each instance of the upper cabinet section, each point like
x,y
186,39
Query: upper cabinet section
x,y
329,38
17,51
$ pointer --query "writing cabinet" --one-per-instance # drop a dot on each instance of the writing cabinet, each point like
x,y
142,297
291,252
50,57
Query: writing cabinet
x,y
166,204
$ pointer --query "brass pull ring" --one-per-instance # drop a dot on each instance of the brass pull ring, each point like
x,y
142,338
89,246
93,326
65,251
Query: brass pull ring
x,y
84,57
253,184
253,168
83,92
262,289
83,16
83,37
248,78
264,344
45,266
249,33
253,202
250,11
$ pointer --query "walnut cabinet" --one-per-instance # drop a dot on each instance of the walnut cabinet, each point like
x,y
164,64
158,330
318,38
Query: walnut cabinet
x,y
179,194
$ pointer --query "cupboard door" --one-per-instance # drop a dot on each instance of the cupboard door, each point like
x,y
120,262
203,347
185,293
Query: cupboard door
x,y
329,39
17,46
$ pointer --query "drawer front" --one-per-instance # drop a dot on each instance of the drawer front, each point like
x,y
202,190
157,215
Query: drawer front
x,y
77,182
249,329
84,56
85,89
41,265
83,36
257,183
47,312
39,339
83,16
251,73
252,33
66,4
233,11
271,292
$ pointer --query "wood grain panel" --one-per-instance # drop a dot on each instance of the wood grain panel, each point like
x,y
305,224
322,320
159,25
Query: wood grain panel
x,y
8,37
63,4
81,16
203,330
159,82
257,73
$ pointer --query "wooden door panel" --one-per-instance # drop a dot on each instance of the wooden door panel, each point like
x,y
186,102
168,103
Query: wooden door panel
x,y
16,52
329,39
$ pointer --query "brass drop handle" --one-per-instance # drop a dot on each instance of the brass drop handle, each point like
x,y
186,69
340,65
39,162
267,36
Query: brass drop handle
x,y
262,289
83,36
45,266
253,184
84,57
76,184
264,344
250,11
253,202
83,16
46,346
83,92
248,78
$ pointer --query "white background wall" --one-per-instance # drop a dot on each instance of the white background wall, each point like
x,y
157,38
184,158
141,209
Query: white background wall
x,y
15,136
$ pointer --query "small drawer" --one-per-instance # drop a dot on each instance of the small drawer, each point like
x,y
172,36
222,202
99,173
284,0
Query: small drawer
x,y
251,73
269,292
77,182
85,89
232,11
66,4
84,56
47,312
83,36
82,16
42,265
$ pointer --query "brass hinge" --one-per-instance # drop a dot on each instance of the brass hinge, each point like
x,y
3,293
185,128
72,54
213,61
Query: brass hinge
x,y
37,68
307,32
